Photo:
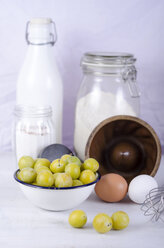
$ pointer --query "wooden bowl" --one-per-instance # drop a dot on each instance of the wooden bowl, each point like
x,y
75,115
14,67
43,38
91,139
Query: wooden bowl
x,y
125,145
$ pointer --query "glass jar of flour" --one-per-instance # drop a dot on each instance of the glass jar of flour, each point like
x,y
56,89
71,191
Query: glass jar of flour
x,y
33,130
108,88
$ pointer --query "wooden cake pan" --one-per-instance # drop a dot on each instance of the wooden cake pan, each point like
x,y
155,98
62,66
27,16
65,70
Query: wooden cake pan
x,y
125,145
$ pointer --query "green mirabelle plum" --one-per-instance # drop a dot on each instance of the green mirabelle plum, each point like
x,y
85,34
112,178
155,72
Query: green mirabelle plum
x,y
77,218
64,159
56,166
120,220
27,175
77,183
63,180
82,167
74,160
73,169
41,162
41,168
45,179
18,176
91,164
34,183
102,223
26,161
87,176
35,161
55,176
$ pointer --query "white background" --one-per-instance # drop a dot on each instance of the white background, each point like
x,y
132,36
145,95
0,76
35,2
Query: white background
x,y
127,26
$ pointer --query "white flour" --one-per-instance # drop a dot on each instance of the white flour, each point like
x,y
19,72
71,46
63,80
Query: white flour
x,y
89,113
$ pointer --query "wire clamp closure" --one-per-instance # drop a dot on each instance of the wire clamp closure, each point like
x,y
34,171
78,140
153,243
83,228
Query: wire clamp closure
x,y
52,34
129,76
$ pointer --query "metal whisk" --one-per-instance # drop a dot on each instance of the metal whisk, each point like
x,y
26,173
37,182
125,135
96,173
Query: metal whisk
x,y
154,204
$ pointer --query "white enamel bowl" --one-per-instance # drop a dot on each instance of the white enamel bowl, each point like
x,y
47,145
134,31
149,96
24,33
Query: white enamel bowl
x,y
56,199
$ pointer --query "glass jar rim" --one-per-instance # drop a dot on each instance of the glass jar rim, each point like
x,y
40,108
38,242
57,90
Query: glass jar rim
x,y
107,59
32,111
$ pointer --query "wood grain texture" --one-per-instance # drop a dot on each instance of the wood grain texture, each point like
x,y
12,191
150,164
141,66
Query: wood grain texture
x,y
135,132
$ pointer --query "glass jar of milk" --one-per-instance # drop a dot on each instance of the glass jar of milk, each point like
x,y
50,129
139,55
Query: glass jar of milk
x,y
33,130
108,88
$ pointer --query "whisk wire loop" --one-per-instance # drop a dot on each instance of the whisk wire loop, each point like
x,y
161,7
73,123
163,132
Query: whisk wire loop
x,y
154,204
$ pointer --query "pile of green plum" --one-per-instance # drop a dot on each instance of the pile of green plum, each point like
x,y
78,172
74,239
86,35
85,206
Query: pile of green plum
x,y
102,222
67,171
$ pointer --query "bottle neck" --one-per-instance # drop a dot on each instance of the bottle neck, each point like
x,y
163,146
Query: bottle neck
x,y
41,33
39,41
39,54
23,111
37,49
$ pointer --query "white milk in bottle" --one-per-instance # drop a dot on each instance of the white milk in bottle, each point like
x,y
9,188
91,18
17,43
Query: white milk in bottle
x,y
39,83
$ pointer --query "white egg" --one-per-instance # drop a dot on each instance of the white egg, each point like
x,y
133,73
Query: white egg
x,y
140,186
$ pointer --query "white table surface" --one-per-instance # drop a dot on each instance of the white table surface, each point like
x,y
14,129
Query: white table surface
x,y
24,225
